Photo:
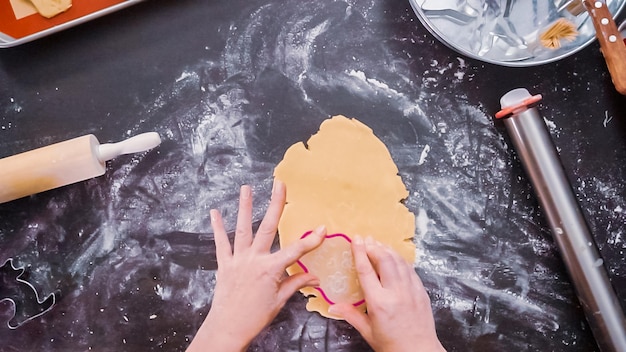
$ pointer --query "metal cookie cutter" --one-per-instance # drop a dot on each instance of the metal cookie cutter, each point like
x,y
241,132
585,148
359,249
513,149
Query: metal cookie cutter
x,y
24,297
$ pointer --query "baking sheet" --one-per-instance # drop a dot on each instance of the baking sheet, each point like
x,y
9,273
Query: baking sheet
x,y
21,23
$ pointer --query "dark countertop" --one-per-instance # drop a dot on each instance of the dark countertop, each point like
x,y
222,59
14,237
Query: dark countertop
x,y
229,85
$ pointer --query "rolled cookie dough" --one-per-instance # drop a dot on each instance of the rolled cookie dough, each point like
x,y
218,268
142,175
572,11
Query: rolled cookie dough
x,y
343,178
51,8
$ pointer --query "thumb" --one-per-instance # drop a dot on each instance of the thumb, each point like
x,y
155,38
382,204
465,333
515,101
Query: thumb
x,y
293,283
355,317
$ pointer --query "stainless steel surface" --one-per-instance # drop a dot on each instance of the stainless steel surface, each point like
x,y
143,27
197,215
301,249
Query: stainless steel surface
x,y
535,148
504,32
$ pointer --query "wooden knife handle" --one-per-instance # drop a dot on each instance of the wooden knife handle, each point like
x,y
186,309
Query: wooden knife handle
x,y
611,42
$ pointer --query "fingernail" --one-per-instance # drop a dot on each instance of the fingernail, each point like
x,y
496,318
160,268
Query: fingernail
x,y
277,185
369,241
246,192
213,214
320,230
333,310
358,240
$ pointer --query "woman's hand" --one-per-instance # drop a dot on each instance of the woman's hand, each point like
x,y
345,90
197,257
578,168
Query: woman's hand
x,y
399,316
252,285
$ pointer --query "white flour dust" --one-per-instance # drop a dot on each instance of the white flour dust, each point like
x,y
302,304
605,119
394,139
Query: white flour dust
x,y
455,164
482,252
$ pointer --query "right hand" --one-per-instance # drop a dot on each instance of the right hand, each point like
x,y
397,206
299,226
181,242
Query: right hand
x,y
399,316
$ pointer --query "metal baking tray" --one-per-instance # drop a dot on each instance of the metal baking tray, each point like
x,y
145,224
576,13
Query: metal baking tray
x,y
19,24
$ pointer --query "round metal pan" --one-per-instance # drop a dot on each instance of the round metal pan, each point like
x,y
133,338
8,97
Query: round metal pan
x,y
504,32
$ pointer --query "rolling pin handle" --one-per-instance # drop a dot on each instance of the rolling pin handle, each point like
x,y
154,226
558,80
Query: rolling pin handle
x,y
136,144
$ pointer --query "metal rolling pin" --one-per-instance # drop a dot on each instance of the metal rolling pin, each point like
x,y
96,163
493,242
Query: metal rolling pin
x,y
535,148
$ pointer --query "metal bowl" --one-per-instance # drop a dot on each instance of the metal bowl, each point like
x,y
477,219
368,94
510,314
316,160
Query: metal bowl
x,y
504,32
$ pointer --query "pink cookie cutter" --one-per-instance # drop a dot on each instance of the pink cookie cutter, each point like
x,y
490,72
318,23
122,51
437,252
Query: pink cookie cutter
x,y
306,270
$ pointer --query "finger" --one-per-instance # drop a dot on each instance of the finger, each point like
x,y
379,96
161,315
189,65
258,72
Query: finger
x,y
365,271
355,317
404,268
416,281
384,263
267,230
243,232
293,283
223,251
296,250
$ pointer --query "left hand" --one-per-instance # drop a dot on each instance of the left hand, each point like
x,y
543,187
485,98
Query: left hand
x,y
251,285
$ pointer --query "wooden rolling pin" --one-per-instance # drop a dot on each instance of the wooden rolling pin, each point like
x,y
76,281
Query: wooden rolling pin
x,y
64,163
